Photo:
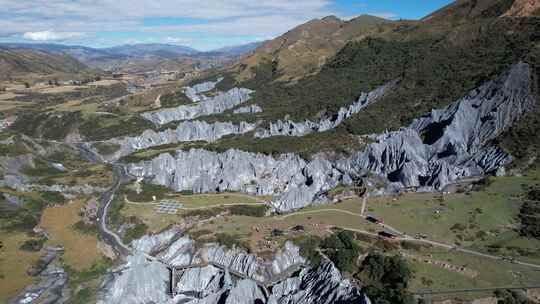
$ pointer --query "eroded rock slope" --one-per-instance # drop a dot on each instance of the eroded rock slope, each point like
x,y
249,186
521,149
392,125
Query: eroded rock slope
x,y
291,128
211,105
435,150
219,275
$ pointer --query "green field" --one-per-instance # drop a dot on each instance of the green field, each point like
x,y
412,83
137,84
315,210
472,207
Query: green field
x,y
475,220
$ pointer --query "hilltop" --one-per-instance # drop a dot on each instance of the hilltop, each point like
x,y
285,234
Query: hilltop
x,y
306,48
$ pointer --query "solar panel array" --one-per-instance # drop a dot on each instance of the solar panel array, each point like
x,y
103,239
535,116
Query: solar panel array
x,y
168,207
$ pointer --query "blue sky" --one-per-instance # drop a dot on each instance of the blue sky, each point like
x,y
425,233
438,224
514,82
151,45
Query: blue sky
x,y
201,24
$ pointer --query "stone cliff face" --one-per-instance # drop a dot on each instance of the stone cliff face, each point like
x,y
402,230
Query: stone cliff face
x,y
213,105
12,176
252,109
184,132
194,92
291,128
435,150
219,275
453,142
294,182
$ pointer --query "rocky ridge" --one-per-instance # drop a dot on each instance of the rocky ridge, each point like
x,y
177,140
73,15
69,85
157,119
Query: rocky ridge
x,y
435,150
195,92
221,275
12,176
292,179
291,128
184,132
51,285
252,109
211,105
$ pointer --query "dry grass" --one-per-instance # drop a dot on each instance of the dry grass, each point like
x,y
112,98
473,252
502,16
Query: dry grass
x,y
13,265
104,82
59,89
80,249
76,105
6,105
8,95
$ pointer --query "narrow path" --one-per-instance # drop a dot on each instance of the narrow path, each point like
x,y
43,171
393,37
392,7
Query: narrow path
x,y
283,217
453,291
405,237
364,204
256,203
106,199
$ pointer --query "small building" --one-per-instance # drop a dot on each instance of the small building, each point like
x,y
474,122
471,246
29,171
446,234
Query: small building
x,y
387,235
373,219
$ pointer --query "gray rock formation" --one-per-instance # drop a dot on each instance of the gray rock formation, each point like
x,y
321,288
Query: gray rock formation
x,y
213,105
452,143
195,92
12,174
435,150
50,285
218,275
294,182
184,132
323,284
138,281
291,128
252,109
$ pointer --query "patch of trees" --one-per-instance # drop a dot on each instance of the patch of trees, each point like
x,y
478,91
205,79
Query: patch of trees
x,y
385,279
505,296
231,241
23,217
138,230
529,214
342,249
33,244
174,99
254,211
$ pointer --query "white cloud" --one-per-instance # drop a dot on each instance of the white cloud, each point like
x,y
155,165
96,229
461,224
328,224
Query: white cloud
x,y
178,40
50,35
44,20
385,15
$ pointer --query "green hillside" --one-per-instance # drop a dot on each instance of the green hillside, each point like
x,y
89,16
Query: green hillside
x,y
19,61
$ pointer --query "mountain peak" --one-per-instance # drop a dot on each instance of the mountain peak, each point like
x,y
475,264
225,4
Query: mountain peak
x,y
331,18
471,9
524,8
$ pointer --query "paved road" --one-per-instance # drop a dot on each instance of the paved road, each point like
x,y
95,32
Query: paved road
x,y
108,236
105,200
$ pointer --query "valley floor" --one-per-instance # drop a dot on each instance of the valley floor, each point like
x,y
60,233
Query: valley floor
x,y
482,221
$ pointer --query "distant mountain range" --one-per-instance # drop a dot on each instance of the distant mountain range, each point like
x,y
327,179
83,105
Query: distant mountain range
x,y
102,57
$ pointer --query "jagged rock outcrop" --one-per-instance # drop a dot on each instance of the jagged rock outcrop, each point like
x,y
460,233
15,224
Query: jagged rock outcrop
x,y
291,128
138,281
51,283
323,284
153,243
12,176
184,132
213,105
194,92
217,275
294,182
435,150
252,109
453,142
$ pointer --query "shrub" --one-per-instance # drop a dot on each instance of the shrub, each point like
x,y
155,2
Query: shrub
x,y
137,231
230,241
254,211
33,244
